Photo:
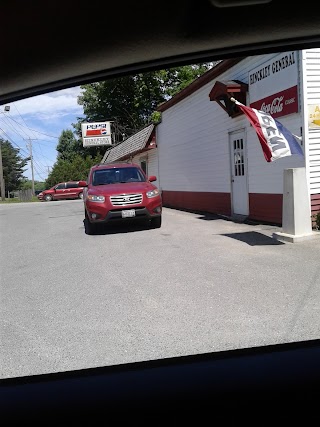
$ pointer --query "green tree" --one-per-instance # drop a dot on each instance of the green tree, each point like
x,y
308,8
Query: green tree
x,y
130,102
27,184
13,166
176,79
69,146
126,101
75,170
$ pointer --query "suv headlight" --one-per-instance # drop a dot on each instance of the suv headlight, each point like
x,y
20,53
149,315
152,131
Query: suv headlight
x,y
152,193
95,198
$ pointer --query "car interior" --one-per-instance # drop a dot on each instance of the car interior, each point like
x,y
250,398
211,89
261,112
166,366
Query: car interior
x,y
53,45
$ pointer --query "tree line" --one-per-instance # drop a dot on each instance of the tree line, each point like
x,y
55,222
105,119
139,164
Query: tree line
x,y
128,102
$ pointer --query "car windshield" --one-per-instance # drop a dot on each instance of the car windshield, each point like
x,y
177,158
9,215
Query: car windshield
x,y
117,175
233,149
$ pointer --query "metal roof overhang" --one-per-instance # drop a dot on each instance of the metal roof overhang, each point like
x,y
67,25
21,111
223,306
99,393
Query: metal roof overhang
x,y
222,91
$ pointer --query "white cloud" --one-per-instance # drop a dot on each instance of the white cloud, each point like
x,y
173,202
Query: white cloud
x,y
41,118
48,106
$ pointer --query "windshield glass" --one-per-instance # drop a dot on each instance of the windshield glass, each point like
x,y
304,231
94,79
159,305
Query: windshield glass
x,y
220,252
117,175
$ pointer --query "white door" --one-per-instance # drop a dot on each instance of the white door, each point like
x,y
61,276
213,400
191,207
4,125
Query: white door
x,y
239,184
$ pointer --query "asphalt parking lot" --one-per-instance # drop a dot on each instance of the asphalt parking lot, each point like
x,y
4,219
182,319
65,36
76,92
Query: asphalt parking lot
x,y
198,284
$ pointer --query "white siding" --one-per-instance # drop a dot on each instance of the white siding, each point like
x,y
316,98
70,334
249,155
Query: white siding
x,y
193,146
152,163
311,80
193,143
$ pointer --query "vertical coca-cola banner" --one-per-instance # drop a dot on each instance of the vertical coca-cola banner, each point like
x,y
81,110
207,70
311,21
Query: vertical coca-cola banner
x,y
273,86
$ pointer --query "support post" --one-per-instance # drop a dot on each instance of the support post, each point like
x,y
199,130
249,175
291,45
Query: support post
x,y
296,212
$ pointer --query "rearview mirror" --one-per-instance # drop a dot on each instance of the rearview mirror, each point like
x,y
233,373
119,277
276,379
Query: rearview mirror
x,y
83,184
152,178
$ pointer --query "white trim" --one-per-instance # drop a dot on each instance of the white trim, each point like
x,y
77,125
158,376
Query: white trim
x,y
302,60
158,156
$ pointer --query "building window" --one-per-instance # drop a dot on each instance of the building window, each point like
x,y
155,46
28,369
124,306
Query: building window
x,y
143,164
238,155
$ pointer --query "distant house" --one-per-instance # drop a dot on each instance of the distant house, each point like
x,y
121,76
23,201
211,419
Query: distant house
x,y
140,148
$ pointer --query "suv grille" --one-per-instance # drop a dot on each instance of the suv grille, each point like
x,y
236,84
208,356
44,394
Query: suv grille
x,y
126,199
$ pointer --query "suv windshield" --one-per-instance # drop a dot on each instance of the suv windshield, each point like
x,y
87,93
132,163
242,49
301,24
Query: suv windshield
x,y
117,175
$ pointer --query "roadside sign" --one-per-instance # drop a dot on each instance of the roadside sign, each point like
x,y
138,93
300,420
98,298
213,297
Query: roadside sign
x,y
96,134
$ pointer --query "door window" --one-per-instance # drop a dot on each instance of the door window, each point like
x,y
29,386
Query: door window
x,y
72,185
60,186
238,157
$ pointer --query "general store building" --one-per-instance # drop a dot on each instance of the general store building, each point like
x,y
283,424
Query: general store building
x,y
207,156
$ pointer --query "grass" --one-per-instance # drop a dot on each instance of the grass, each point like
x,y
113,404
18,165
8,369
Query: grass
x,y
16,200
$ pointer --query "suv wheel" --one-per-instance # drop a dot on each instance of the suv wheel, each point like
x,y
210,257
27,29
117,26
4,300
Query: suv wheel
x,y
48,198
89,228
80,195
156,222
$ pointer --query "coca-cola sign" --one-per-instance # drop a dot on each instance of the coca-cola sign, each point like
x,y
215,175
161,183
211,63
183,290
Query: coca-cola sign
x,y
279,104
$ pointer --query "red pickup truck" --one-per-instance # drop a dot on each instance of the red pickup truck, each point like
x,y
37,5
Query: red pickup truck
x,y
120,192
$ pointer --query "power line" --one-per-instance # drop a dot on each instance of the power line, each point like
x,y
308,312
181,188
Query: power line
x,y
20,116
13,142
38,174
32,170
13,129
2,185
3,195
34,130
21,136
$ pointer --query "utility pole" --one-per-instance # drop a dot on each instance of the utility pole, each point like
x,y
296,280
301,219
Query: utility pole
x,y
3,195
31,159
2,186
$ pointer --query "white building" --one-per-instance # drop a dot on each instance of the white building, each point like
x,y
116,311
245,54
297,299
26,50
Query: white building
x,y
207,156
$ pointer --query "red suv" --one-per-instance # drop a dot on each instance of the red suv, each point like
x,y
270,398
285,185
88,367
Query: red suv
x,y
63,190
118,192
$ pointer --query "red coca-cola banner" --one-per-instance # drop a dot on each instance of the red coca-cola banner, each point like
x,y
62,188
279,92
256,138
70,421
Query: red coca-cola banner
x,y
279,104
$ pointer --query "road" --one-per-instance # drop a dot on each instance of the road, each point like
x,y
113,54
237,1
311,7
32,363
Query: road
x,y
198,284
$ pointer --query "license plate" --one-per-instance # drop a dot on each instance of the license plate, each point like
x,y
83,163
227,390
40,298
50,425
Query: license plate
x,y
128,213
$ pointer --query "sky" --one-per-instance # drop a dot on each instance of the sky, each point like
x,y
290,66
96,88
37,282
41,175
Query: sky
x,y
39,121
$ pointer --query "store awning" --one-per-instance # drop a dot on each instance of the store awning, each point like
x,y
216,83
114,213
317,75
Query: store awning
x,y
222,91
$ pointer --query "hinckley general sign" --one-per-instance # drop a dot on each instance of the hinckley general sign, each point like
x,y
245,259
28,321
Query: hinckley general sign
x,y
273,86
96,134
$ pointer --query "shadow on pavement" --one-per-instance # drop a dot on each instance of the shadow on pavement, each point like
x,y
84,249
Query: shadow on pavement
x,y
253,238
121,227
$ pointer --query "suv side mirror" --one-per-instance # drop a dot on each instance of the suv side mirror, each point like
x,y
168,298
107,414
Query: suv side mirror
x,y
152,178
83,184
